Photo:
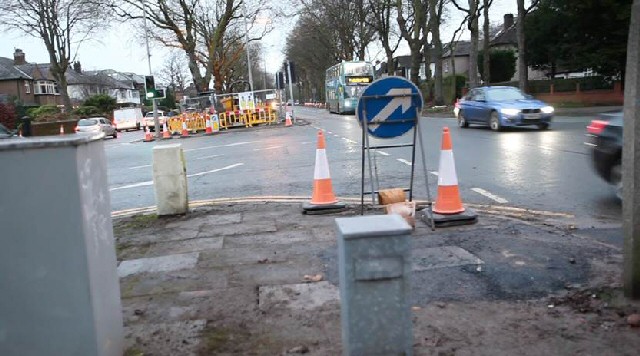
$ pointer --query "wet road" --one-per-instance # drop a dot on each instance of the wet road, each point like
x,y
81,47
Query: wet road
x,y
526,168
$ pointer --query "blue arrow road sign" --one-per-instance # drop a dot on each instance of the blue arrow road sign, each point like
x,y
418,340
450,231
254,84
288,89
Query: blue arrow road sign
x,y
388,102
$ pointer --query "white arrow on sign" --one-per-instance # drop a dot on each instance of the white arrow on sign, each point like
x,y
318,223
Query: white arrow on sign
x,y
403,101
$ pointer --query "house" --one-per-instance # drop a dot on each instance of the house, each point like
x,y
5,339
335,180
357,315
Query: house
x,y
33,85
402,65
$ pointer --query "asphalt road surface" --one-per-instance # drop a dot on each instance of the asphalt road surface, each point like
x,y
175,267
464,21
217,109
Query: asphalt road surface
x,y
524,168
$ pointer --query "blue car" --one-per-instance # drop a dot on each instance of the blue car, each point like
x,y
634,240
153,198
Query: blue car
x,y
500,107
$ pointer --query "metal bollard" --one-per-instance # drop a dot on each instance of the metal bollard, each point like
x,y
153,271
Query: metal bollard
x,y
59,286
170,180
374,266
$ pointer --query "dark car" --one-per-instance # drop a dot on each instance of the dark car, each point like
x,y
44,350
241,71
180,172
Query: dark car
x,y
605,139
502,106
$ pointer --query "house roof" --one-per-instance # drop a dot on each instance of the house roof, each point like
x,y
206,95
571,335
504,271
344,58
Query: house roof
x,y
462,49
507,36
8,71
37,71
94,78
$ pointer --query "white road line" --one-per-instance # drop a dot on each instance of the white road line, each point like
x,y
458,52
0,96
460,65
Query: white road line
x,y
210,147
137,167
147,183
336,135
212,156
214,170
404,161
491,196
330,133
383,153
434,173
267,148
305,143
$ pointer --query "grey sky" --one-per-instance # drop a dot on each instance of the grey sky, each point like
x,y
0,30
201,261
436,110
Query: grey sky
x,y
119,49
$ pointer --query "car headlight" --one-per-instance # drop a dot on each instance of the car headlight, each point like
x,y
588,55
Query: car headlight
x,y
547,110
510,112
347,103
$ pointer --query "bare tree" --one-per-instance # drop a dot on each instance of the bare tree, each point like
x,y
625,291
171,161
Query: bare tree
x,y
436,8
473,13
523,72
174,72
61,24
411,29
381,21
486,58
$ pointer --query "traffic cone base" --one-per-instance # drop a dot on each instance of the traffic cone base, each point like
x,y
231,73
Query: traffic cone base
x,y
166,135
467,217
185,132
147,135
448,200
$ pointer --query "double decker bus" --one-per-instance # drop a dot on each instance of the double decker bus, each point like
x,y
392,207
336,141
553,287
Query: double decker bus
x,y
344,83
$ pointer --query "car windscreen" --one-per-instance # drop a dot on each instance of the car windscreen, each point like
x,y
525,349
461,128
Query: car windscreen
x,y
88,122
505,94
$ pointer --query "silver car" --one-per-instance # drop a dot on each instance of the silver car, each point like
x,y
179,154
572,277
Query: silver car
x,y
97,124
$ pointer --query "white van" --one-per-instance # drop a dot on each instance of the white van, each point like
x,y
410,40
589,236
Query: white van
x,y
127,118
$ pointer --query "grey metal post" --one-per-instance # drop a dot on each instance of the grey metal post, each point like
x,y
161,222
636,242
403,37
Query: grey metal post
x,y
60,289
375,267
291,90
631,160
170,180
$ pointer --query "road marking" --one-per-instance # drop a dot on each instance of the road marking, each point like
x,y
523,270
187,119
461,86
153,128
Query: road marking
x,y
212,156
336,135
383,153
349,140
214,170
330,133
210,147
434,173
137,167
148,183
404,161
305,143
590,144
267,148
493,197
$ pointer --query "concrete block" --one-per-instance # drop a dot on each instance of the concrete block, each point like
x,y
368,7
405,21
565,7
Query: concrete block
x,y
170,180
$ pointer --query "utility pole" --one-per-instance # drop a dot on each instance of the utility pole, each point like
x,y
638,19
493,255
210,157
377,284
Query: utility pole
x,y
156,122
631,159
291,89
246,43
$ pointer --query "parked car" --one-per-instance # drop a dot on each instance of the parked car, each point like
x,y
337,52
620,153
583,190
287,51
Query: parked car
x,y
502,106
605,139
6,133
97,124
149,122
127,118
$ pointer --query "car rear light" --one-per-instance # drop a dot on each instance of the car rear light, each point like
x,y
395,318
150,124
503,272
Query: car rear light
x,y
457,104
76,129
597,126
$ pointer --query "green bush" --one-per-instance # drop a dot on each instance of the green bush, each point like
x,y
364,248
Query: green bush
x,y
103,102
43,111
502,64
85,111
448,92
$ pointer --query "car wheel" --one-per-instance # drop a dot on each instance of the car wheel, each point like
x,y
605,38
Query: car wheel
x,y
462,122
494,122
138,126
543,126
115,134
616,178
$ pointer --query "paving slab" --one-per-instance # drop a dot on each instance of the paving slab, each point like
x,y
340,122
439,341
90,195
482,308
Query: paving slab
x,y
158,264
185,246
301,296
178,338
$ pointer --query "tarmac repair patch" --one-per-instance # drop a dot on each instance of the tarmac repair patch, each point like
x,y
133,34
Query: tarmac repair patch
x,y
440,257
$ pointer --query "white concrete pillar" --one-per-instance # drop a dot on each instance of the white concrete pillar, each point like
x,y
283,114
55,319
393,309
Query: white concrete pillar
x,y
170,180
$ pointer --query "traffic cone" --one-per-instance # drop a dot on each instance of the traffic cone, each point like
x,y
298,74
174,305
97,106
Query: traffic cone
x,y
61,130
208,131
323,197
287,121
166,135
185,132
448,209
147,134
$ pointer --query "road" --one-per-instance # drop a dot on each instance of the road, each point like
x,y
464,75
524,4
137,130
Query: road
x,y
524,168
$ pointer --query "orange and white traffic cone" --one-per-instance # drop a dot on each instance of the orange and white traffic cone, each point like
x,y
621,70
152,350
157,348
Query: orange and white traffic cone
x,y
147,134
166,135
61,130
448,209
323,197
185,132
287,121
208,131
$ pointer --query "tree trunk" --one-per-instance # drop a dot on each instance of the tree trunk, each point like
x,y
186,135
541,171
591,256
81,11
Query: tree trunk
x,y
473,49
523,75
437,49
390,65
486,58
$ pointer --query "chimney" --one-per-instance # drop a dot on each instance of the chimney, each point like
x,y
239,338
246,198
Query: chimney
x,y
508,21
77,67
18,57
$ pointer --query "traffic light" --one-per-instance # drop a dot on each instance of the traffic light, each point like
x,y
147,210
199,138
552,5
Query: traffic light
x,y
292,68
150,88
279,80
294,77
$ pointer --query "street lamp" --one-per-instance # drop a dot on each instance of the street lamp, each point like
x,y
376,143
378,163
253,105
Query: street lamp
x,y
246,43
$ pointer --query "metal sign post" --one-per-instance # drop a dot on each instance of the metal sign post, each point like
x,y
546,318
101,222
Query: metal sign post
x,y
389,108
